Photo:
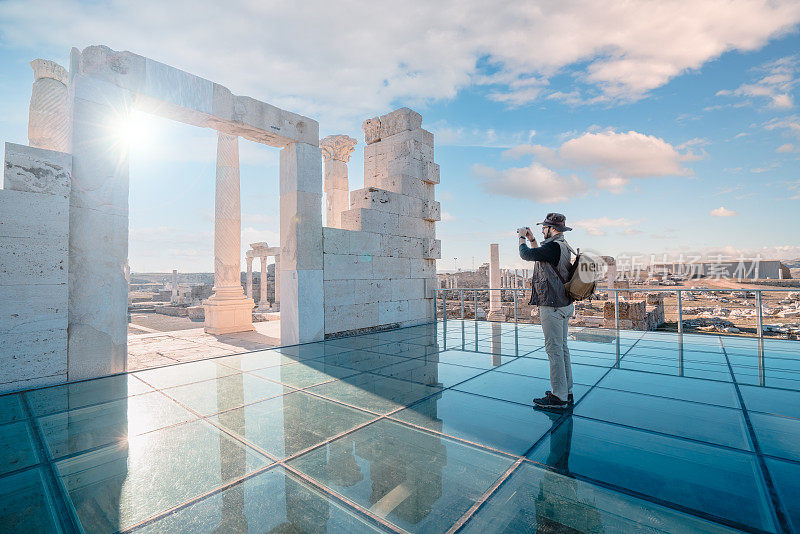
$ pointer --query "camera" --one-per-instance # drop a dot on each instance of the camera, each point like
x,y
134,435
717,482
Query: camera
x,y
523,231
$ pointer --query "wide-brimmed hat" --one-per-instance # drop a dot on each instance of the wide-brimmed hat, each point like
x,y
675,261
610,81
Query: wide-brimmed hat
x,y
556,220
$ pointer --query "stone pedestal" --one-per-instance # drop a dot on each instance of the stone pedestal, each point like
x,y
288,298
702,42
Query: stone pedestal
x,y
228,310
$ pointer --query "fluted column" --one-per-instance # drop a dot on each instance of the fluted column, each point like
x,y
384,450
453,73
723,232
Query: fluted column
x,y
48,119
336,150
227,310
263,305
249,280
277,279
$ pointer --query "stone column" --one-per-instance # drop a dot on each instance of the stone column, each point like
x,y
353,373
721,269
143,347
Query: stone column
x,y
277,282
98,225
48,117
174,298
516,278
263,304
336,150
302,312
248,292
227,310
495,305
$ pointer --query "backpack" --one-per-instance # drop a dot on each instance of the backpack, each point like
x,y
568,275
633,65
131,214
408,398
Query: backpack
x,y
582,276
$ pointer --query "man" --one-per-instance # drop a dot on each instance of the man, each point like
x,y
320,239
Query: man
x,y
551,271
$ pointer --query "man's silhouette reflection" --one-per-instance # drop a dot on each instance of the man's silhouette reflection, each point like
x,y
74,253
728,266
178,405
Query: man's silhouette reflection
x,y
558,506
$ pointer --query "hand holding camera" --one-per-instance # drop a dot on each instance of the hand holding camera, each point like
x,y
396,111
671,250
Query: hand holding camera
x,y
525,232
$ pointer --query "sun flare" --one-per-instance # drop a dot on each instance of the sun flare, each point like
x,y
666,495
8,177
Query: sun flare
x,y
135,130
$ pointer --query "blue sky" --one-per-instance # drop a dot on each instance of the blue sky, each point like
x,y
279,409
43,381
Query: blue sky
x,y
654,127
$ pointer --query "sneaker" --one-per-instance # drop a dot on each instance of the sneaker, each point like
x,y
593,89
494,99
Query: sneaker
x,y
551,402
570,398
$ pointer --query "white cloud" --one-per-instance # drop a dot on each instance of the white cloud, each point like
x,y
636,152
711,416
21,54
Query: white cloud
x,y
600,226
790,124
722,211
447,217
615,158
785,148
776,81
452,135
626,154
344,61
535,182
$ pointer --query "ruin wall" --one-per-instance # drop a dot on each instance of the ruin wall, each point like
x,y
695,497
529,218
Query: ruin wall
x,y
380,267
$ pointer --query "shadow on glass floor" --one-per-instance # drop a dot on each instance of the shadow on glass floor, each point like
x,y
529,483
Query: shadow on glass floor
x,y
422,429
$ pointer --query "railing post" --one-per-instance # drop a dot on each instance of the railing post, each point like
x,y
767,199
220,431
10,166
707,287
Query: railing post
x,y
760,315
680,311
435,307
515,305
462,304
616,309
444,306
476,305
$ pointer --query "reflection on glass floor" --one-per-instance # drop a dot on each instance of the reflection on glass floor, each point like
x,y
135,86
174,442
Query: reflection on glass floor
x,y
423,429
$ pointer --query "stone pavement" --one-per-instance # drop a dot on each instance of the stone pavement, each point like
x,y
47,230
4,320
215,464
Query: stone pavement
x,y
164,348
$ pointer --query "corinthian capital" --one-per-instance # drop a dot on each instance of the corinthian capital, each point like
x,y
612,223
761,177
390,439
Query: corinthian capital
x,y
338,147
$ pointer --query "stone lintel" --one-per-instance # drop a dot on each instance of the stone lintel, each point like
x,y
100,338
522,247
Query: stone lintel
x,y
175,94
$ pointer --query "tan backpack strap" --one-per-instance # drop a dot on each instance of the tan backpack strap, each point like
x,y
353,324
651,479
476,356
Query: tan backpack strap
x,y
570,248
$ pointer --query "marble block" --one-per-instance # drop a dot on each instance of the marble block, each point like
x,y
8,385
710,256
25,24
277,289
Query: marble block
x,y
302,306
339,292
301,230
389,201
365,243
300,169
431,173
335,241
405,184
379,222
401,246
395,311
414,227
431,249
33,289
372,130
423,268
431,210
348,266
373,290
398,121
37,170
388,268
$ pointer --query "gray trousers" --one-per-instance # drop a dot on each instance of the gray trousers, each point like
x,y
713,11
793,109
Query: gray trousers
x,y
555,323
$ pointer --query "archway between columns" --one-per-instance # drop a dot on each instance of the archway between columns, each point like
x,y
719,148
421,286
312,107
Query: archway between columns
x,y
105,86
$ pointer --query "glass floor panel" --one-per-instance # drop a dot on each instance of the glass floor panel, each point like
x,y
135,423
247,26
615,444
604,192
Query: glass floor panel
x,y
396,431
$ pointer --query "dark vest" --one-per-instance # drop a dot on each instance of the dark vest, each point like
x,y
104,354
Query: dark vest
x,y
548,289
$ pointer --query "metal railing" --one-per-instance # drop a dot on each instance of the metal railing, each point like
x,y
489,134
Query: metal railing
x,y
756,295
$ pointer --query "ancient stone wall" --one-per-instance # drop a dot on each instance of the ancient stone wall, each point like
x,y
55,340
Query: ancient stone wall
x,y
380,267
34,227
